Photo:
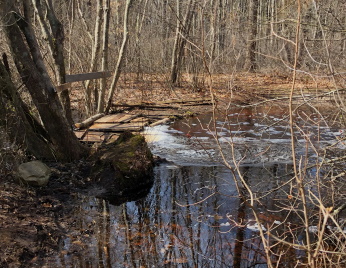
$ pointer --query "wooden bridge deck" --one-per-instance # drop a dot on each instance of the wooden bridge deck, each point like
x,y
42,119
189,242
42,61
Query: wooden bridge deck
x,y
109,127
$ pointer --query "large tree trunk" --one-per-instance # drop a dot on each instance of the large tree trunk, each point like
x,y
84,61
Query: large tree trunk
x,y
53,32
36,79
15,115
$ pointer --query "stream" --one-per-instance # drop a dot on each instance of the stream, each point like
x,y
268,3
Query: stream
x,y
193,216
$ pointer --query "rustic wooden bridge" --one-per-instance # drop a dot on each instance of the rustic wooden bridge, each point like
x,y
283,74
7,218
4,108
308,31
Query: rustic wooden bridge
x,y
135,116
101,128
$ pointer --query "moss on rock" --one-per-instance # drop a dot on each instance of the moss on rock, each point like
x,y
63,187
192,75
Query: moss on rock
x,y
124,166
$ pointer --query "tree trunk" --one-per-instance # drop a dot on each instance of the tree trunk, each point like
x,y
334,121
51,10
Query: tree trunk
x,y
71,25
94,55
15,115
36,79
104,61
174,65
182,31
213,27
53,32
118,67
139,23
250,61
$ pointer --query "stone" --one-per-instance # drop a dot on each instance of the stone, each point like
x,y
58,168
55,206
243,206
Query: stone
x,y
34,173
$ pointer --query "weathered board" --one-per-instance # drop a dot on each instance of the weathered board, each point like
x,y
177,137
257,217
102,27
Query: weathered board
x,y
116,118
113,123
81,77
102,127
141,120
87,76
116,129
79,133
62,87
134,125
95,136
196,101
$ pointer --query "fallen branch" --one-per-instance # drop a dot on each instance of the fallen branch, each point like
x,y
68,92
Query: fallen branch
x,y
88,122
160,122
143,106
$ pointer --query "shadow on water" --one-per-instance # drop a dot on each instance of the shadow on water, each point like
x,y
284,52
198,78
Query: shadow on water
x,y
192,215
127,196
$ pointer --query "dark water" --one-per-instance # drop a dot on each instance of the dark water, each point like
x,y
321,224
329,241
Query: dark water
x,y
193,216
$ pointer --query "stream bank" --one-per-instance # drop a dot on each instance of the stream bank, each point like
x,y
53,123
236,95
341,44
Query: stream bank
x,y
64,223
35,220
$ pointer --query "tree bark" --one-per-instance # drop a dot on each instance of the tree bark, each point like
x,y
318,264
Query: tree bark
x,y
36,79
71,26
250,60
53,32
182,31
94,55
104,61
15,115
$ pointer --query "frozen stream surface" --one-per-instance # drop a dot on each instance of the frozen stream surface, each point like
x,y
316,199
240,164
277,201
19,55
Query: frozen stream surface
x,y
247,139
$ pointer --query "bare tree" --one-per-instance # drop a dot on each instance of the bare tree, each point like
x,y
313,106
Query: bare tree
x,y
53,32
250,60
119,65
94,54
104,60
181,35
29,63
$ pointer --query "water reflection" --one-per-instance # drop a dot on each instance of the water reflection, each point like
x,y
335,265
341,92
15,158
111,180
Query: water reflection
x,y
192,217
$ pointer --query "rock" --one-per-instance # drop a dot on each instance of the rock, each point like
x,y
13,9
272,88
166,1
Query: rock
x,y
34,173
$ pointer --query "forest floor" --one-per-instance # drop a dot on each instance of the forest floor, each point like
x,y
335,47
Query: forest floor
x,y
33,221
240,89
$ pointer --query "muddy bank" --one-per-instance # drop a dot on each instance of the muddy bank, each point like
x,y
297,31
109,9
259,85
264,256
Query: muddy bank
x,y
35,220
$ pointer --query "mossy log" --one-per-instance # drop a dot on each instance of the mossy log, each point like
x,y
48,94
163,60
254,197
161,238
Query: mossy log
x,y
123,168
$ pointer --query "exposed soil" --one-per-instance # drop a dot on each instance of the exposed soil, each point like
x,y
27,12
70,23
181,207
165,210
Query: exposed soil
x,y
34,220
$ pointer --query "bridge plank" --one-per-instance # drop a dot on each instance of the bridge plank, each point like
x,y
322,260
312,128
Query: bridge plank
x,y
116,118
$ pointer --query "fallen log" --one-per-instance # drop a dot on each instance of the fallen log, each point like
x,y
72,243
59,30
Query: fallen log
x,y
145,106
88,122
196,101
160,122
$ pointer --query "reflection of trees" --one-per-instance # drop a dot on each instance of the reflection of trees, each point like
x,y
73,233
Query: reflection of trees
x,y
103,235
173,226
248,249
239,240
